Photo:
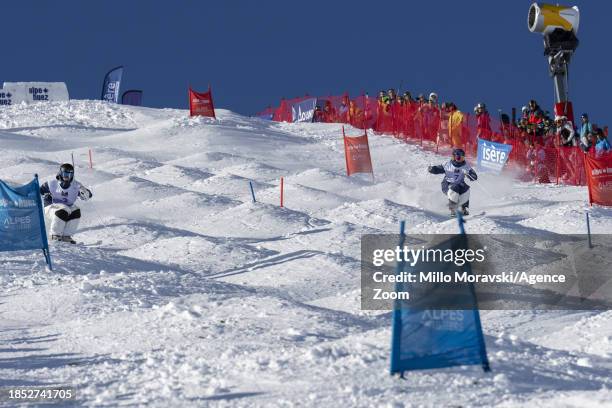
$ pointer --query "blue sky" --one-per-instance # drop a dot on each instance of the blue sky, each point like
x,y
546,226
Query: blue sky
x,y
255,52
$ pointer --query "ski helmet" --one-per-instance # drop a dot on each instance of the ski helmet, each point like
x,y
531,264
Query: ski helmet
x,y
458,154
433,96
66,173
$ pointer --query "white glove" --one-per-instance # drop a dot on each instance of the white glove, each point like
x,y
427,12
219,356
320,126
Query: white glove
x,y
84,194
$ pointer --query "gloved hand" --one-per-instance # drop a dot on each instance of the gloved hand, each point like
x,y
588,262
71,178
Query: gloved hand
x,y
84,194
471,175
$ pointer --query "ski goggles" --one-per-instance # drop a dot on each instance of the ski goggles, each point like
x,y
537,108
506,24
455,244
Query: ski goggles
x,y
67,173
459,157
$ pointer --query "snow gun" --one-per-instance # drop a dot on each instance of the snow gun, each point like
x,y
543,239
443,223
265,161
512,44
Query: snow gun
x,y
559,26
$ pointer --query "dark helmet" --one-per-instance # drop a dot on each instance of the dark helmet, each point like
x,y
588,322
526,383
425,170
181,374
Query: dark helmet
x,y
66,173
458,154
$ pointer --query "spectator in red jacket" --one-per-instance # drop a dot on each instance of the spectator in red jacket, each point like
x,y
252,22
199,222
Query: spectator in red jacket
x,y
329,112
534,113
408,97
483,122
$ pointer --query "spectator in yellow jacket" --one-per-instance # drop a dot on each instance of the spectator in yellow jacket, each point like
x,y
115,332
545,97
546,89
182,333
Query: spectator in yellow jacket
x,y
455,126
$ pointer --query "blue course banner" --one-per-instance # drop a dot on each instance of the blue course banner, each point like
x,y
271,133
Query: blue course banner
x,y
492,156
112,82
22,225
304,111
428,338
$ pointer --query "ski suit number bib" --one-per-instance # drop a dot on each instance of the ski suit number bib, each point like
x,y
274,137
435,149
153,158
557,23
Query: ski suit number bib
x,y
64,196
455,175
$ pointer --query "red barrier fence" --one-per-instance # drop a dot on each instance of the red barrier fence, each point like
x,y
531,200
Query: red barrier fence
x,y
535,156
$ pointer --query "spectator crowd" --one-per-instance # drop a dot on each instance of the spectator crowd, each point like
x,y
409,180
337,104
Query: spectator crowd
x,y
538,139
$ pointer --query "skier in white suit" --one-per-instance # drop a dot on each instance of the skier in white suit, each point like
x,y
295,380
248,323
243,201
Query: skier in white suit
x,y
59,195
453,185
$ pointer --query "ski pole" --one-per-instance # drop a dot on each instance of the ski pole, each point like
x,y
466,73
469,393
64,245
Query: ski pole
x,y
589,230
252,191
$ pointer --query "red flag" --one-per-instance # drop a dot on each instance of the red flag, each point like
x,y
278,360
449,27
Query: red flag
x,y
599,178
357,154
201,103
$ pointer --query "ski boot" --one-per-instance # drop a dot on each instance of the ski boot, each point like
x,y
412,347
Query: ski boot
x,y
56,238
452,206
465,208
68,238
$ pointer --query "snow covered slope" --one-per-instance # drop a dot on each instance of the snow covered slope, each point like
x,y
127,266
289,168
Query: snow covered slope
x,y
185,293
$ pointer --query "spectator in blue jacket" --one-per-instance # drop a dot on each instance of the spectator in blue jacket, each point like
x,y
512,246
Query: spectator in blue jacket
x,y
585,129
602,144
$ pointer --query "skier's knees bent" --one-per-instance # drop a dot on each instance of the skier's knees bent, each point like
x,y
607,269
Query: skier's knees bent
x,y
62,215
458,199
73,223
71,227
63,220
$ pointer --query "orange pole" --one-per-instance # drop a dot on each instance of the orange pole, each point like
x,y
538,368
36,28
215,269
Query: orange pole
x,y
281,191
90,161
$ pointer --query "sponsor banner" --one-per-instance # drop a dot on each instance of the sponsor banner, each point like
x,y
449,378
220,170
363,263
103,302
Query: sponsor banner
x,y
201,103
112,83
303,111
357,154
8,96
21,219
492,156
431,338
17,92
132,97
599,178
